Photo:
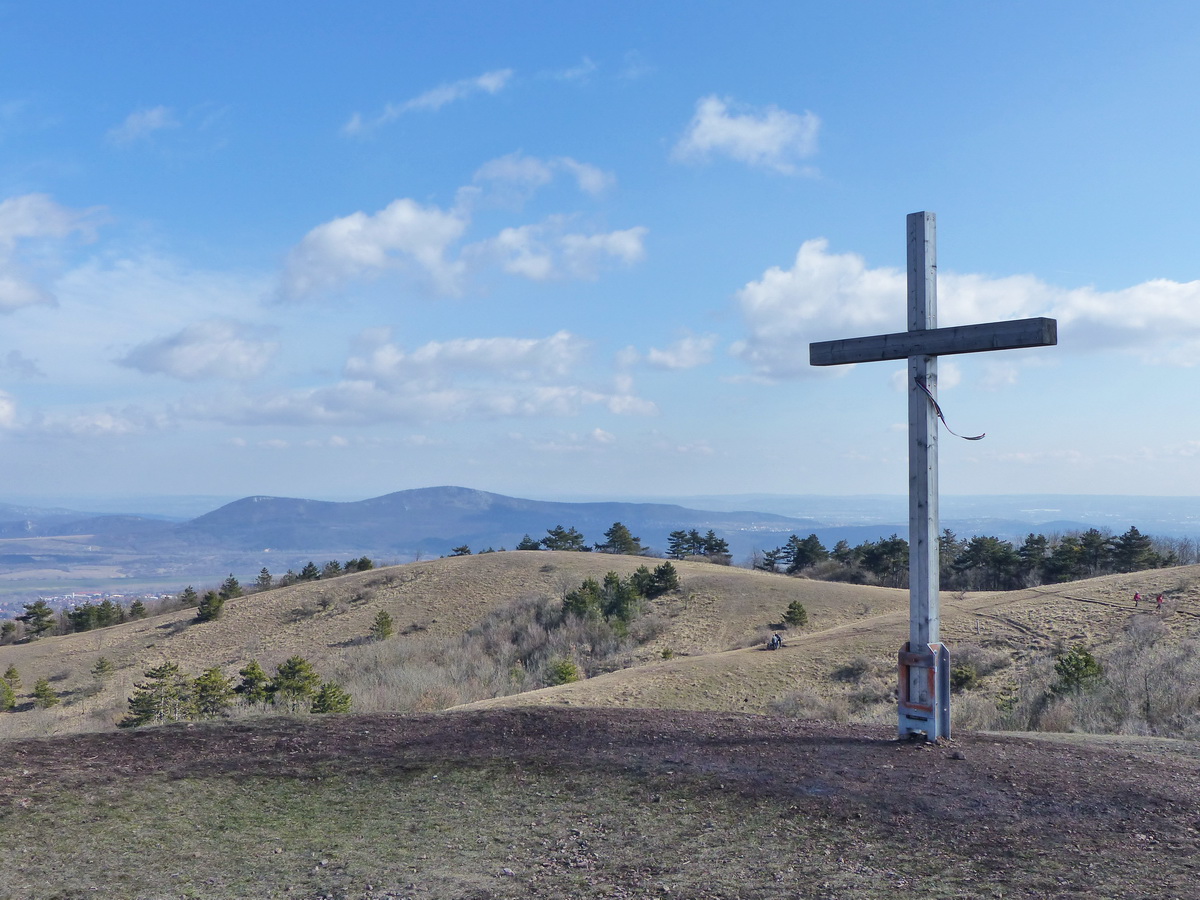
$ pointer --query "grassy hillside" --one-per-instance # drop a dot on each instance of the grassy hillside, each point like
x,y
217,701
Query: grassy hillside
x,y
840,666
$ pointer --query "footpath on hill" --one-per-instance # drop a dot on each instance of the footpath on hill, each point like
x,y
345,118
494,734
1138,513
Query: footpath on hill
x,y
631,803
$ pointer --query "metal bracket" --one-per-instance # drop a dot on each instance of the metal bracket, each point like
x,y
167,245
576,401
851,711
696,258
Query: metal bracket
x,y
924,697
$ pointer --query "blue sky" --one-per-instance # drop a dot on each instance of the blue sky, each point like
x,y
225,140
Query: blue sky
x,y
579,250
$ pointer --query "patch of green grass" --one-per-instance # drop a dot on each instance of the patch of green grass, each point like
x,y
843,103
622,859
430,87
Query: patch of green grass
x,y
465,832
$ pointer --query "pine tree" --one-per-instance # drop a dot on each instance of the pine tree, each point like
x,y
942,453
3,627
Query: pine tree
x,y
166,696
264,581
189,597
330,698
294,683
619,539
462,550
528,543
8,697
678,544
230,588
715,548
109,613
254,684
382,628
12,677
213,694
796,615
137,609
310,572
559,538
103,669
44,696
38,618
585,600
210,607
331,569
666,580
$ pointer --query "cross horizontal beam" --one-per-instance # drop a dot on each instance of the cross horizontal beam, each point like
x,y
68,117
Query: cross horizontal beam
x,y
1010,335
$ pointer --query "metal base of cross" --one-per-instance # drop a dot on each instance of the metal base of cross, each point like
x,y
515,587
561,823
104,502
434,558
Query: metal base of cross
x,y
924,696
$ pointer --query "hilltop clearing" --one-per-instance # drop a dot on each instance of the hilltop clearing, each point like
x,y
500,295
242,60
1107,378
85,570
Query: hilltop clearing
x,y
593,803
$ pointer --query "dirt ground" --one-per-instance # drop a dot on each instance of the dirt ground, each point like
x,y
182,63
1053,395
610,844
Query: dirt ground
x,y
984,815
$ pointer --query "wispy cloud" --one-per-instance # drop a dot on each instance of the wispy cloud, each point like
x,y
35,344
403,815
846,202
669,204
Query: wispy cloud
x,y
546,250
826,296
517,176
432,100
689,352
521,359
455,380
772,138
215,349
142,123
32,228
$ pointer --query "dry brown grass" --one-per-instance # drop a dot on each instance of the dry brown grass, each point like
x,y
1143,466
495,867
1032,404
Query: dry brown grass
x,y
713,630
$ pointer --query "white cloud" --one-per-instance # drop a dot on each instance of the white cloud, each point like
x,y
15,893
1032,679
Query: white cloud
x,y
95,424
213,349
828,296
433,99
584,254
590,179
686,353
139,125
517,176
772,139
480,378
8,410
403,235
545,251
581,72
32,229
517,358
407,237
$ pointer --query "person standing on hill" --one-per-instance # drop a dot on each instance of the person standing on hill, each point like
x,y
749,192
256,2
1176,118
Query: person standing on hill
x,y
1158,603
1137,598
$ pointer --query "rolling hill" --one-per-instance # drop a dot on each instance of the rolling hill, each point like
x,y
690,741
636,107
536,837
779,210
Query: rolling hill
x,y
712,631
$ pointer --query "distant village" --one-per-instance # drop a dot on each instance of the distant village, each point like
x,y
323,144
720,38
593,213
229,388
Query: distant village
x,y
10,607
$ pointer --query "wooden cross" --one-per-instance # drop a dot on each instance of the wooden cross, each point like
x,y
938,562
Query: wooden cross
x,y
924,668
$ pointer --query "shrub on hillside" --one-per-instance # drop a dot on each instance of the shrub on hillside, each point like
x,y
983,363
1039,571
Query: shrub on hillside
x,y
796,615
330,698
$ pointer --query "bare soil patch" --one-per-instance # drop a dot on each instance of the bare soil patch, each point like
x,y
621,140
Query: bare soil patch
x,y
547,802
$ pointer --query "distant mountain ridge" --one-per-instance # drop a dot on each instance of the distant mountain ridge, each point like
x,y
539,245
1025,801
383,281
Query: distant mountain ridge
x,y
44,550
432,520
279,533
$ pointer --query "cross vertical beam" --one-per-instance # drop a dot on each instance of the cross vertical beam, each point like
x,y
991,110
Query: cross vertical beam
x,y
923,556
923,683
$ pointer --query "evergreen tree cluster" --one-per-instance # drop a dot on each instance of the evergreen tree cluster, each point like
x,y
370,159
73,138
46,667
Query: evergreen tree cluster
x,y
981,563
682,544
617,599
312,572
169,695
